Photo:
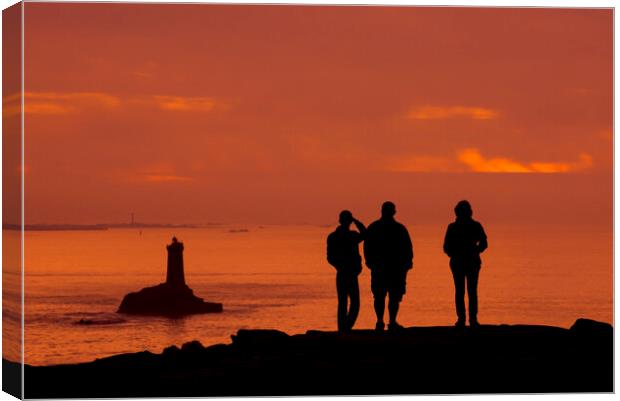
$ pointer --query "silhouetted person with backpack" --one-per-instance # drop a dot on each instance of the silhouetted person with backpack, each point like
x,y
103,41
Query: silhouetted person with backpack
x,y
343,253
389,256
464,242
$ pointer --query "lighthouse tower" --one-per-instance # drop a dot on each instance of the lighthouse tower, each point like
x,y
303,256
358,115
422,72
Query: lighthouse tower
x,y
173,298
175,275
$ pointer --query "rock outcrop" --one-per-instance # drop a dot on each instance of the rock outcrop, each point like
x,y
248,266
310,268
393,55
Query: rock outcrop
x,y
172,298
416,360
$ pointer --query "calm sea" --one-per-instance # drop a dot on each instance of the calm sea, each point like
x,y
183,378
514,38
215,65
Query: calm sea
x,y
277,277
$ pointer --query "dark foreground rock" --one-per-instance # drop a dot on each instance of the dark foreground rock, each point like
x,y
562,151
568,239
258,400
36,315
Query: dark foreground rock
x,y
168,300
418,360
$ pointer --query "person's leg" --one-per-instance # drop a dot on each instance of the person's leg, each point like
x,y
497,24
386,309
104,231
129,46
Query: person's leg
x,y
379,305
341,288
377,285
472,294
354,308
398,285
459,294
393,307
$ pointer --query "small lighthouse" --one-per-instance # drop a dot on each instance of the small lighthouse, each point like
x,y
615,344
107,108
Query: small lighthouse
x,y
175,275
173,298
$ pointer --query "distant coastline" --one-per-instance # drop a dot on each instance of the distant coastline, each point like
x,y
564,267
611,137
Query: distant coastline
x,y
91,227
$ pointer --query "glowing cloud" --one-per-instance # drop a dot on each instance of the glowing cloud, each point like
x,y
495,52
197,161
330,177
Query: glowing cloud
x,y
162,172
442,113
478,163
93,97
178,103
53,103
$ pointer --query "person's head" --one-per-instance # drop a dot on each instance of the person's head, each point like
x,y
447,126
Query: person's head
x,y
345,218
388,210
463,210
174,239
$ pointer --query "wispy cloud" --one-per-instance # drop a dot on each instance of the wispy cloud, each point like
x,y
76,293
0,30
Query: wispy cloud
x,y
42,108
472,160
56,103
478,163
154,173
442,113
180,103
94,97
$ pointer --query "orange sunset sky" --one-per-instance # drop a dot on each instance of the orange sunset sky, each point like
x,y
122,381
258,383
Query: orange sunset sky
x,y
283,114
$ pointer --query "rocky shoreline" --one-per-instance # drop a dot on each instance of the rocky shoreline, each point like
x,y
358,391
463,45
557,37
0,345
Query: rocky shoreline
x,y
417,360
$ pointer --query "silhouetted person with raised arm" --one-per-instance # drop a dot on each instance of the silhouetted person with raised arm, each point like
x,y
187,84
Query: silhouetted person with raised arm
x,y
389,256
343,253
464,242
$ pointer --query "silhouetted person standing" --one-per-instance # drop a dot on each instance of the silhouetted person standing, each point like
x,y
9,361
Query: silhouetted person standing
x,y
175,275
343,253
389,256
465,241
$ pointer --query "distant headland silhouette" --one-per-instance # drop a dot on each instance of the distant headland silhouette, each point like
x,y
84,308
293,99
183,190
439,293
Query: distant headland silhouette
x,y
172,298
